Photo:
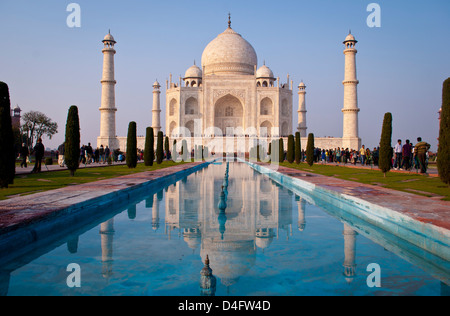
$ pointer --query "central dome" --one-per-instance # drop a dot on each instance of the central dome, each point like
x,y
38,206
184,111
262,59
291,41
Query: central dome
x,y
229,53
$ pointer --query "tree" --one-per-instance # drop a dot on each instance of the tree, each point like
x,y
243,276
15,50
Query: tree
x,y
7,154
184,150
298,148
149,149
131,155
166,147
174,151
385,155
159,148
310,149
72,140
281,149
443,158
290,152
36,124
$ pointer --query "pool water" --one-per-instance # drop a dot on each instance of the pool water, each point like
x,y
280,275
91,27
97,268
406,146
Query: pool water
x,y
260,238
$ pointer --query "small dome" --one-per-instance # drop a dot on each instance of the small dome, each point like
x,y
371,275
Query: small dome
x,y
17,108
301,85
109,38
264,72
156,84
193,72
350,38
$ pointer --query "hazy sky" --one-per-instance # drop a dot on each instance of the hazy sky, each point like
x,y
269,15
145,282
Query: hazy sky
x,y
401,65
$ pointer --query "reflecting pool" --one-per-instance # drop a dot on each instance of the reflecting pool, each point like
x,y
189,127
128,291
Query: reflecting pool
x,y
260,238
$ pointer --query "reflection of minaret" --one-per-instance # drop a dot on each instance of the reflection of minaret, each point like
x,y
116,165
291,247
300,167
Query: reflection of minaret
x,y
155,213
301,213
350,253
107,234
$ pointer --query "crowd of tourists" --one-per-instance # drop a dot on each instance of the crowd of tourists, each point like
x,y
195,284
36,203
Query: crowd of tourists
x,y
404,156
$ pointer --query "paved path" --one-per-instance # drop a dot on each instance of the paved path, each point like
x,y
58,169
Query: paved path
x,y
56,167
22,210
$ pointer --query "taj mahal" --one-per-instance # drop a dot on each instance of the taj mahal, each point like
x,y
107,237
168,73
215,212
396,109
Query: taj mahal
x,y
230,97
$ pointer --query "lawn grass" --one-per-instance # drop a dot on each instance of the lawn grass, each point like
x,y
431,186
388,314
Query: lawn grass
x,y
406,182
50,180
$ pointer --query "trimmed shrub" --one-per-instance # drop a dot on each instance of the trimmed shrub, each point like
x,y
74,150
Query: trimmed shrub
x,y
443,158
166,147
310,149
290,152
281,150
7,153
385,155
298,148
131,154
149,149
72,140
159,148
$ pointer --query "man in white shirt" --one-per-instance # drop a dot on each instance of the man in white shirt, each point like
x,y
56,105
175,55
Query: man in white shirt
x,y
398,155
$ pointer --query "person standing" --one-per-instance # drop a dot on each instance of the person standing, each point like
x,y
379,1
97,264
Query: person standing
x,y
398,155
24,154
406,154
107,153
102,154
61,155
39,151
362,153
420,151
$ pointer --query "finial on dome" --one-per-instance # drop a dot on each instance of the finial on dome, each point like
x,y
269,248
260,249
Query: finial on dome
x,y
229,20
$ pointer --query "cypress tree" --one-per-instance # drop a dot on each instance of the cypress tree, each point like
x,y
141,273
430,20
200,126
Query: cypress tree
x,y
159,148
385,155
149,150
298,148
72,140
290,152
443,158
131,155
166,147
7,153
310,149
184,150
174,151
281,148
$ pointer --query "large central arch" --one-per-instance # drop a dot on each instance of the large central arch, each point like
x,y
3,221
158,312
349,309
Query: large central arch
x,y
228,112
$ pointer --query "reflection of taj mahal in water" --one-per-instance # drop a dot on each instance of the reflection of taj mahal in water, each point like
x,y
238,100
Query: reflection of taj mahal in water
x,y
227,226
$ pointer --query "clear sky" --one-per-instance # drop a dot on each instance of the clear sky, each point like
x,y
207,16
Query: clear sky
x,y
401,65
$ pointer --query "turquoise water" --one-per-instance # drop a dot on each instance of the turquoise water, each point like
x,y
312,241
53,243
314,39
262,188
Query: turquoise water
x,y
261,239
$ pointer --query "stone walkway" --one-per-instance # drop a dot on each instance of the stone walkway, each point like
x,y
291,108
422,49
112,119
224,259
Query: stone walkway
x,y
23,210
424,209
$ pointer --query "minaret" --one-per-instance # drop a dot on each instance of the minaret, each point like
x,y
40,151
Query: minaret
x,y
108,103
156,121
301,109
350,111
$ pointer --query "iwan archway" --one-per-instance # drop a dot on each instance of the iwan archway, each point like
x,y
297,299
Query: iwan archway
x,y
228,113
